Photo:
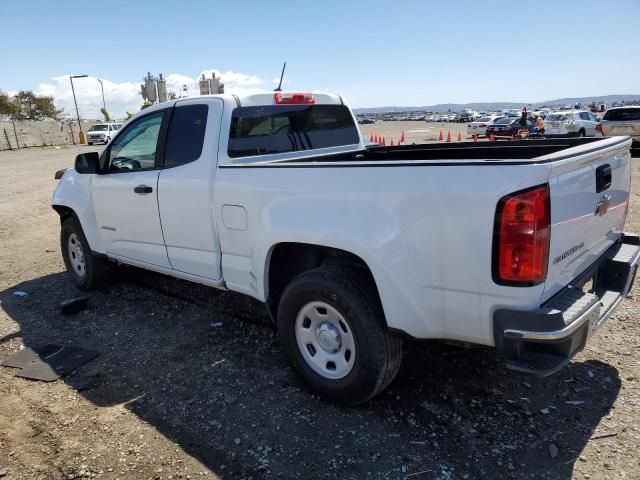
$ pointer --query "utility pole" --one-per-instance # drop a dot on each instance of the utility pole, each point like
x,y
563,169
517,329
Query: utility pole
x,y
104,105
71,77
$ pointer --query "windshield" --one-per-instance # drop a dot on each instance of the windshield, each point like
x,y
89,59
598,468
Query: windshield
x,y
484,119
622,115
504,121
557,117
98,128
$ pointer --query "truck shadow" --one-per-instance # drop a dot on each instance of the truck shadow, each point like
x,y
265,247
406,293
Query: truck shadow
x,y
452,412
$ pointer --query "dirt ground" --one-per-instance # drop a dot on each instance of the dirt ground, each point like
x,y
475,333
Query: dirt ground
x,y
173,397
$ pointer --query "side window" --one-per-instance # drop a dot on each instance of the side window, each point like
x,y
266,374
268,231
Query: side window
x,y
186,135
584,116
135,148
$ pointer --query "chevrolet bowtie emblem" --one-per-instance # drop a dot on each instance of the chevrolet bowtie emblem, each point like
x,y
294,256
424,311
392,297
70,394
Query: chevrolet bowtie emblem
x,y
602,206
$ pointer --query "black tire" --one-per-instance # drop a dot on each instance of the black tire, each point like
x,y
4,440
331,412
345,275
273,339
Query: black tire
x,y
89,143
378,353
582,133
96,271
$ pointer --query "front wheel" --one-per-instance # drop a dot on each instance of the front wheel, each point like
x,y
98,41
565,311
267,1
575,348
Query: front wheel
x,y
87,271
331,325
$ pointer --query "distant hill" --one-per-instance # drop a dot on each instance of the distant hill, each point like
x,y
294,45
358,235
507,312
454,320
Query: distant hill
x,y
456,107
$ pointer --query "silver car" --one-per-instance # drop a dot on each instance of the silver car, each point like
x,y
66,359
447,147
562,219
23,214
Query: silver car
x,y
622,121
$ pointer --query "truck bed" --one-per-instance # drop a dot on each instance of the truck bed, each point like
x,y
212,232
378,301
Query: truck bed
x,y
515,152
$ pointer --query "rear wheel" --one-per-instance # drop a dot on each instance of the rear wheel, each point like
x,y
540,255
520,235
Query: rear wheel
x,y
582,133
331,325
87,271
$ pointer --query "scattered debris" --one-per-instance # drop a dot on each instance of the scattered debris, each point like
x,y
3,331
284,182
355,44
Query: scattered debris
x,y
527,384
418,473
237,441
75,305
553,450
544,411
48,363
574,402
3,472
20,293
217,324
604,435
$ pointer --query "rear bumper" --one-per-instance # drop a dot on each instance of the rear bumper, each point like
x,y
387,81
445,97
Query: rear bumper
x,y
542,341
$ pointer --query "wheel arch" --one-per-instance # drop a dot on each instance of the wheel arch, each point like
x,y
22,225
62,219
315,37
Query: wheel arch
x,y
286,260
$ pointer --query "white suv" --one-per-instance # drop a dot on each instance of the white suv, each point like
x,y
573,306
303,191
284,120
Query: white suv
x,y
102,132
580,123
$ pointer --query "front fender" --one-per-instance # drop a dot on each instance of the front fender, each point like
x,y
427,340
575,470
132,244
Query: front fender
x,y
74,192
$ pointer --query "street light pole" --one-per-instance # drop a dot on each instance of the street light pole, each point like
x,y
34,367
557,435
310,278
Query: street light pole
x,y
104,105
71,77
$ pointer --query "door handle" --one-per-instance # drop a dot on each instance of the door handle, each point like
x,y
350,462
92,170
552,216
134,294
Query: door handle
x,y
142,189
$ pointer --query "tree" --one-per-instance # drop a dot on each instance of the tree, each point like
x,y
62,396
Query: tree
x,y
8,106
146,104
29,106
107,117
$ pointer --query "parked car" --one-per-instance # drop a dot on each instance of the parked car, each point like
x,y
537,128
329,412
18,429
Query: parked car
x,y
622,121
479,127
102,132
506,127
275,196
572,123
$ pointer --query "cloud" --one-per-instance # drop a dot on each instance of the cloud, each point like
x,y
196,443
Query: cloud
x,y
125,96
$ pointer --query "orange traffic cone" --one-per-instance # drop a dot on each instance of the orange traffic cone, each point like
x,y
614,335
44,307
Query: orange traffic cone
x,y
448,136
440,136
475,138
384,141
391,144
375,138
371,138
401,138
459,137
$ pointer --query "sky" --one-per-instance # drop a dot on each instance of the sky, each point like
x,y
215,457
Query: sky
x,y
374,53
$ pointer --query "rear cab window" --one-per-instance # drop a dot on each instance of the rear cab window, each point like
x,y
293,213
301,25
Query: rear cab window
x,y
622,115
275,129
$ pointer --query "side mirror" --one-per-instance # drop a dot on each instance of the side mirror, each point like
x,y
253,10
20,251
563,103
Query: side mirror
x,y
87,162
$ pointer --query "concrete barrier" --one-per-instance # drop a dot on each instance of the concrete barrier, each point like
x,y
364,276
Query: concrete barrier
x,y
27,133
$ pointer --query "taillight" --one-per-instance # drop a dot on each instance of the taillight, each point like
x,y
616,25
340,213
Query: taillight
x,y
521,237
599,127
294,98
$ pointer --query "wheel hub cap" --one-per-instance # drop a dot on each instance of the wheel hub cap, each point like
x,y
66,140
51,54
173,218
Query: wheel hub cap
x,y
325,340
328,337
76,255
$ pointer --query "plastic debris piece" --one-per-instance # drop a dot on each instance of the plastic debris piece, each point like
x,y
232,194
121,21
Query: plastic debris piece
x,y
217,324
20,293
75,305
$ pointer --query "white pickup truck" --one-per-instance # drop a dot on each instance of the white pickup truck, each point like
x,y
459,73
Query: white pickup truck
x,y
354,247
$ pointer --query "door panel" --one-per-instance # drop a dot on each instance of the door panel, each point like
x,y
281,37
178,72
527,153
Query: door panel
x,y
185,196
125,194
129,221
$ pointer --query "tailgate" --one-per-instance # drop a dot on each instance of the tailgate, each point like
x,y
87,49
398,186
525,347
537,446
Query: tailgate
x,y
589,189
621,128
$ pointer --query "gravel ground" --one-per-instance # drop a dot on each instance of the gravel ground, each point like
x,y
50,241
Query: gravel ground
x,y
173,396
